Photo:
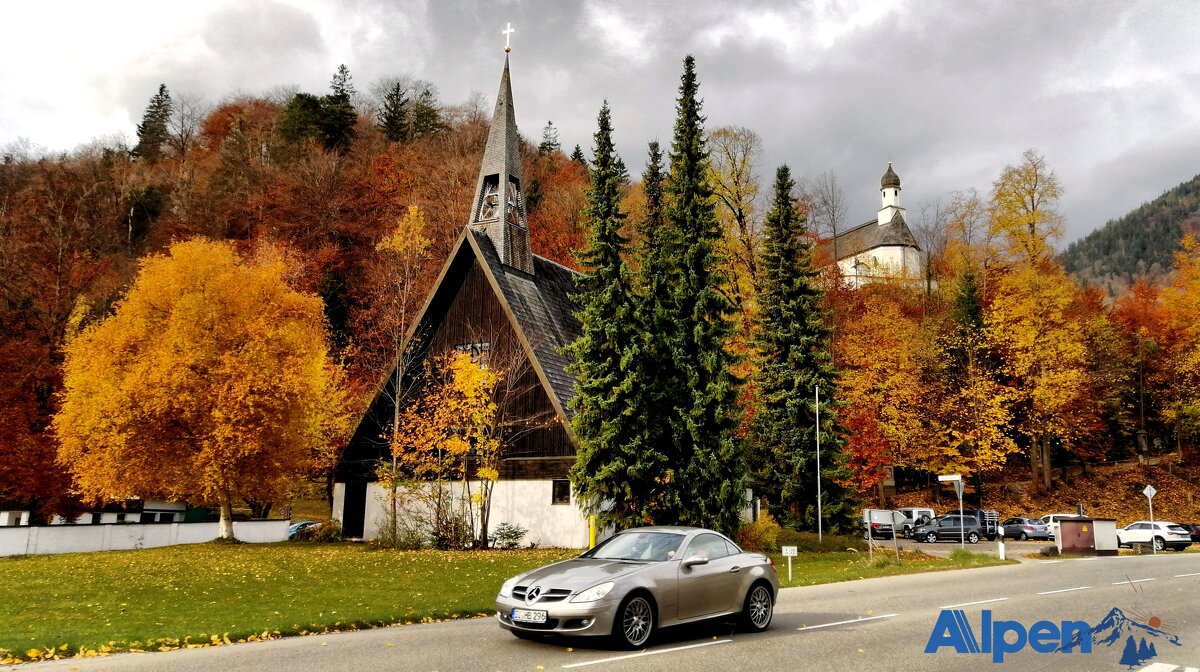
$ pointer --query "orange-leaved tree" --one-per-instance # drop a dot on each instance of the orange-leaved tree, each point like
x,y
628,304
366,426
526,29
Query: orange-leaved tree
x,y
211,381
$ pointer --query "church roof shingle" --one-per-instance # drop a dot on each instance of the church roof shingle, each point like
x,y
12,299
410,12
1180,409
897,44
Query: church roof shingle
x,y
871,235
545,314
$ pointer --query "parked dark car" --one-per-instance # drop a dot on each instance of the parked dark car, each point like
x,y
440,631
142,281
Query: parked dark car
x,y
988,520
1024,528
302,530
951,528
1194,529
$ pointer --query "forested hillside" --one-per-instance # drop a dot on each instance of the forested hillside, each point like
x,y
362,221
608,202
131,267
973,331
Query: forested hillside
x,y
1140,244
324,176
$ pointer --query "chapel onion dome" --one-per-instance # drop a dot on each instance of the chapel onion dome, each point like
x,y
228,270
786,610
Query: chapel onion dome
x,y
890,179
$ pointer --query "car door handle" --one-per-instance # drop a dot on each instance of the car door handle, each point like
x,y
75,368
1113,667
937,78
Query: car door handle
x,y
735,570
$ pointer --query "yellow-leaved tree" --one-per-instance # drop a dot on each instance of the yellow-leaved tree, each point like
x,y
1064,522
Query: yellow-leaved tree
x,y
447,431
211,381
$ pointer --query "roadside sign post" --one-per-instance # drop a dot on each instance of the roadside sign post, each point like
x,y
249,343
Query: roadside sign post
x,y
789,552
956,479
817,407
1000,541
897,524
1150,492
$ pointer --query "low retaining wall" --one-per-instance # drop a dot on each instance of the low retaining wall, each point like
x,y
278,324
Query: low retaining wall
x,y
46,539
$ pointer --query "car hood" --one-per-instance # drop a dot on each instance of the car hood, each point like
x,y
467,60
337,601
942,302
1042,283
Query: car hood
x,y
580,573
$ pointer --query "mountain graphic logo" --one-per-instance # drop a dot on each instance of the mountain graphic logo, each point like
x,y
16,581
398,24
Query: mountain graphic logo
x,y
1138,642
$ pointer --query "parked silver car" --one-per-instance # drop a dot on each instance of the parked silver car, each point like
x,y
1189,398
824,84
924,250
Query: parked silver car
x,y
640,580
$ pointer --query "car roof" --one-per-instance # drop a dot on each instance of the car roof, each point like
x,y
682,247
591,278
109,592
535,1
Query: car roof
x,y
676,529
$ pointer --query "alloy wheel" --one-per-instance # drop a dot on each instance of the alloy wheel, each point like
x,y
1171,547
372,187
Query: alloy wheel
x,y
637,620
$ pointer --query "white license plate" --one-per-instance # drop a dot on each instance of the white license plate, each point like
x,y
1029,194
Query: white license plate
x,y
528,616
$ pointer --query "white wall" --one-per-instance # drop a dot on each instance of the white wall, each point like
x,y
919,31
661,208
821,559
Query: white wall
x,y
14,518
41,540
524,503
891,261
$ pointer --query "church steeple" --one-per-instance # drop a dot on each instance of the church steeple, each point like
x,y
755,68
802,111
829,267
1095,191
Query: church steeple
x,y
499,207
889,186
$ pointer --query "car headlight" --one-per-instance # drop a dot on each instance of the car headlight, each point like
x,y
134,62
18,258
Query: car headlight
x,y
506,588
594,593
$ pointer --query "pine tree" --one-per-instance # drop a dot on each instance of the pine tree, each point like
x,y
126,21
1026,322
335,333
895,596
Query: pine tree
x,y
1130,655
550,144
393,118
711,476
338,116
1144,652
578,157
153,132
793,360
614,464
425,118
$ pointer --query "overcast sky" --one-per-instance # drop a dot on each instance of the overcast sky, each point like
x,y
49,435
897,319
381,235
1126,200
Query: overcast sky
x,y
951,92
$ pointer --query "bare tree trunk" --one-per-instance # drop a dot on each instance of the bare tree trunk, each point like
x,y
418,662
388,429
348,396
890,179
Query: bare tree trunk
x,y
1046,480
226,525
1035,449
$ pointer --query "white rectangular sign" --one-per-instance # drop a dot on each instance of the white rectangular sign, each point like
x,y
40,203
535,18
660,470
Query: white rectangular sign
x,y
950,477
788,551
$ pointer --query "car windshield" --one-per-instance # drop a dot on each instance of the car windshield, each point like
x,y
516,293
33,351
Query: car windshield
x,y
644,546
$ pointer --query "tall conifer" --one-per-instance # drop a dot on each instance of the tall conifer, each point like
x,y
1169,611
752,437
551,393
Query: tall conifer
x,y
613,464
711,468
393,118
793,359
153,132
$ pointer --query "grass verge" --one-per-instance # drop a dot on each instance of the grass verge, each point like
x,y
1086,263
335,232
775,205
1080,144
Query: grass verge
x,y
814,569
89,604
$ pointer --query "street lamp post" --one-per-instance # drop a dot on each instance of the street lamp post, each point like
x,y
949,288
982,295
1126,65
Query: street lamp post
x,y
817,393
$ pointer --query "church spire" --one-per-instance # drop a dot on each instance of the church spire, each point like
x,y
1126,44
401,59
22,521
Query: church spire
x,y
499,199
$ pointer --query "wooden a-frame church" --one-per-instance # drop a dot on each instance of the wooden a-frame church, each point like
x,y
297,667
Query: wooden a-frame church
x,y
500,302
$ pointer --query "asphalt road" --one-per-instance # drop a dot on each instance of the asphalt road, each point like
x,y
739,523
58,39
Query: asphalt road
x,y
876,624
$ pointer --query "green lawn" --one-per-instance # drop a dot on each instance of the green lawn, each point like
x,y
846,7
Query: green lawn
x,y
206,594
810,569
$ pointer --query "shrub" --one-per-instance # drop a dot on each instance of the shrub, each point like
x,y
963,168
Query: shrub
x,y
761,536
807,542
507,536
327,532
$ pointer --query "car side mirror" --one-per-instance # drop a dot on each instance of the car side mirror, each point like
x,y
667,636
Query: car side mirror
x,y
694,560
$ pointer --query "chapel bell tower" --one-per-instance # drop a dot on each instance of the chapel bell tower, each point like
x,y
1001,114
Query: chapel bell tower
x,y
499,209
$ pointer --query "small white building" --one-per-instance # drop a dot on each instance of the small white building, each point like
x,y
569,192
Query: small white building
x,y
883,247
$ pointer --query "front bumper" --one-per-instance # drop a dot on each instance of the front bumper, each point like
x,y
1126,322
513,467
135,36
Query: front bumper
x,y
584,619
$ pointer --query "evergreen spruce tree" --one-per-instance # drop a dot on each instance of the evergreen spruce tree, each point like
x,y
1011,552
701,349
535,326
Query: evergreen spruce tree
x,y
614,464
425,118
153,132
338,116
1129,656
792,354
711,467
393,118
1144,652
578,157
549,143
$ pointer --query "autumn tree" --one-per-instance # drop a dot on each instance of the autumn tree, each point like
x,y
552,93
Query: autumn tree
x,y
210,381
154,132
735,153
793,361
1181,298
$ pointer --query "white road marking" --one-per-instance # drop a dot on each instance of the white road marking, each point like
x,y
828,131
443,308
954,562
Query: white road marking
x,y
1049,562
1064,590
1180,576
1161,667
854,620
969,604
647,653
1117,583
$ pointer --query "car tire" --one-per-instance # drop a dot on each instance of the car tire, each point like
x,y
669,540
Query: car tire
x,y
758,608
1024,537
930,537
1159,544
634,623
973,538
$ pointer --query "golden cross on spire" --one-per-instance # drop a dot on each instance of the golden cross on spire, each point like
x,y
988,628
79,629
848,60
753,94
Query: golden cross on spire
x,y
507,32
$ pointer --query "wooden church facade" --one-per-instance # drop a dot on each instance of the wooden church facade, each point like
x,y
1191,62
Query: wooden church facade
x,y
511,310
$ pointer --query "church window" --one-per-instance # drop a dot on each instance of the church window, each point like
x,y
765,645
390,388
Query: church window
x,y
489,204
512,197
560,491
479,352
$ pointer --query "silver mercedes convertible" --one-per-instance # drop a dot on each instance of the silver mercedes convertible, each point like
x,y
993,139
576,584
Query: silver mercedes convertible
x,y
639,580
